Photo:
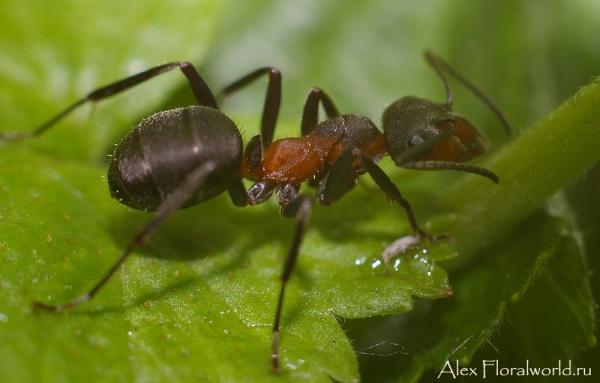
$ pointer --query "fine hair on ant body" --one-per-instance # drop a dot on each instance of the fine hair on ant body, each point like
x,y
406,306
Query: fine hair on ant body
x,y
182,157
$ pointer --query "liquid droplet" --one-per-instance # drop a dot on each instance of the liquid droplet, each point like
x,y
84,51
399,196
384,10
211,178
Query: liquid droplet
x,y
376,264
360,261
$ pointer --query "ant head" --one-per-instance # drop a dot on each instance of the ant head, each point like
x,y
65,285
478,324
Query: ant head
x,y
414,123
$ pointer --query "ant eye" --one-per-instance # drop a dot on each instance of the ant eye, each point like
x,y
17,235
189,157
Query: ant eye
x,y
416,140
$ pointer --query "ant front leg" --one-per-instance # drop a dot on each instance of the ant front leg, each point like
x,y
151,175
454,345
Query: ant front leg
x,y
336,186
173,203
201,91
337,180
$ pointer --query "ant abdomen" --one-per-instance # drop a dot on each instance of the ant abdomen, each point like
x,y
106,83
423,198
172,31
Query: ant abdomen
x,y
146,168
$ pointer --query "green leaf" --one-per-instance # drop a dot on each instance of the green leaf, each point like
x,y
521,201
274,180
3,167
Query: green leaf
x,y
198,300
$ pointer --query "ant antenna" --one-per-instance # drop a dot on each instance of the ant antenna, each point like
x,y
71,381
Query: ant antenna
x,y
434,61
440,66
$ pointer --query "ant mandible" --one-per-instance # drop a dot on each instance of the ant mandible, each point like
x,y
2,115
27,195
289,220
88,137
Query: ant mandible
x,y
182,157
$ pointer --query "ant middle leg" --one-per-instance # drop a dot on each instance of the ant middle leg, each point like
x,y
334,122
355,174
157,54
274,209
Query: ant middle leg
x,y
300,207
310,120
173,203
199,87
310,114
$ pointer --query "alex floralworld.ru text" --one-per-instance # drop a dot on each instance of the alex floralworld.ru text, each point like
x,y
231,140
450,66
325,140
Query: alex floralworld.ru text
x,y
493,368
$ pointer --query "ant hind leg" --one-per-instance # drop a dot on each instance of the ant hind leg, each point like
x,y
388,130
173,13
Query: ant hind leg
x,y
201,91
272,100
175,201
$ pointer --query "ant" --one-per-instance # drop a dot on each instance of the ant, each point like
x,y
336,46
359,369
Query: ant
x,y
182,157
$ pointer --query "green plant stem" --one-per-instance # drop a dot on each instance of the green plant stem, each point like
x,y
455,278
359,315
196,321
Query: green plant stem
x,y
538,163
